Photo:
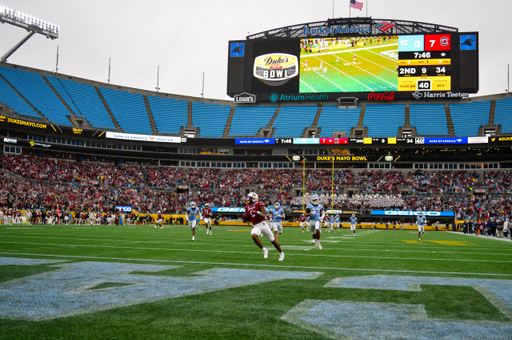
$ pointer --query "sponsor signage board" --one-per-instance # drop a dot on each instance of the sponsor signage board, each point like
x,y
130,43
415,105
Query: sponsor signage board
x,y
142,138
410,213
252,141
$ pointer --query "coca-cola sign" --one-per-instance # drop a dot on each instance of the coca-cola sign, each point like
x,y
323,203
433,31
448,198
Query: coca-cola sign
x,y
382,96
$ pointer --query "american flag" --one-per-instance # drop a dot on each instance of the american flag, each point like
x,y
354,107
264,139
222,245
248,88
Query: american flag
x,y
356,4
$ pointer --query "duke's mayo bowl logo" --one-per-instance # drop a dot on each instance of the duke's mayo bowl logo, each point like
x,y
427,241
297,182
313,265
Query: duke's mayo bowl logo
x,y
276,69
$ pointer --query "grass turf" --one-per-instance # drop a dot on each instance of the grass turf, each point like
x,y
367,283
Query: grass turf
x,y
252,311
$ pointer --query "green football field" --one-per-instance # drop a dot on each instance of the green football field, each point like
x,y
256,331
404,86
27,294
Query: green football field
x,y
137,282
358,69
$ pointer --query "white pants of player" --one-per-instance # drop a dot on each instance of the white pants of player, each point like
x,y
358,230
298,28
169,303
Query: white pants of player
x,y
192,224
314,226
263,228
278,226
352,227
421,229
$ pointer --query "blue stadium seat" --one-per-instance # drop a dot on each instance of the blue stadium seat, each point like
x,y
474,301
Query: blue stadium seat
x,y
84,101
334,119
384,120
169,114
428,119
467,118
503,114
247,121
292,120
129,110
33,87
210,118
9,97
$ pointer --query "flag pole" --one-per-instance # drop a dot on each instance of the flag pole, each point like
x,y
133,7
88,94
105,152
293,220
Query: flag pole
x,y
367,8
333,9
332,186
303,183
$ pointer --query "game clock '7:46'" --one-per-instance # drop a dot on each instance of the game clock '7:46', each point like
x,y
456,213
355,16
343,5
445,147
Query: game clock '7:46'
x,y
424,85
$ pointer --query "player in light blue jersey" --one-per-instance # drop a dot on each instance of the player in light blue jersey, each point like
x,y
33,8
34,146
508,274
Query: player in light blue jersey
x,y
192,219
337,222
353,221
315,212
331,223
421,221
277,223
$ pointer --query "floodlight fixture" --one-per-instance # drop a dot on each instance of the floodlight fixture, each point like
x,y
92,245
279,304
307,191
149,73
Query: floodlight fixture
x,y
32,24
28,22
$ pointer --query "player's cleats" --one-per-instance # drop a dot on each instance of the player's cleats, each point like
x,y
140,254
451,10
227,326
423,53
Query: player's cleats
x,y
419,240
265,253
281,256
193,238
313,241
210,233
319,246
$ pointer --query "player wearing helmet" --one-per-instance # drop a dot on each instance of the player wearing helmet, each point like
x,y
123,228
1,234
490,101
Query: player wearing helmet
x,y
315,212
256,212
159,220
278,215
302,221
420,221
353,221
337,222
207,216
192,213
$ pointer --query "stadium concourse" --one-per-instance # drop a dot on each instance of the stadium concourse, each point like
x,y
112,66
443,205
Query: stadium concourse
x,y
60,181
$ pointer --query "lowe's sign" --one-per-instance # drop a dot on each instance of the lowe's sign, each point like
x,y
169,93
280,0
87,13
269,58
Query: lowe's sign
x,y
411,213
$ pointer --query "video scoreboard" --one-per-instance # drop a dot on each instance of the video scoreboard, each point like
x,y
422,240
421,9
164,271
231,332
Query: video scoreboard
x,y
373,67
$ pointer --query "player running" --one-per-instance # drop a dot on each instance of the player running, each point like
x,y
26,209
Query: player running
x,y
159,220
207,216
337,222
302,222
316,214
353,221
331,223
420,221
257,214
191,217
278,215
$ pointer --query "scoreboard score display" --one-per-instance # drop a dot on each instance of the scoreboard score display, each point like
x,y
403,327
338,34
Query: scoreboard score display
x,y
424,62
321,68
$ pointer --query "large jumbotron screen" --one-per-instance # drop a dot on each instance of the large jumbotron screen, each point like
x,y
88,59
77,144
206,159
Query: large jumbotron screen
x,y
440,65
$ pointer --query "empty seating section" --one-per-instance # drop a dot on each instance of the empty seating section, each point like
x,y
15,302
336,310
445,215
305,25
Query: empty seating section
x,y
467,118
503,114
169,114
384,120
292,120
14,101
210,118
84,101
428,119
334,119
33,87
129,110
247,121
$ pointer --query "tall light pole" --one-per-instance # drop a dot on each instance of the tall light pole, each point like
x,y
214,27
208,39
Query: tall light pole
x,y
30,23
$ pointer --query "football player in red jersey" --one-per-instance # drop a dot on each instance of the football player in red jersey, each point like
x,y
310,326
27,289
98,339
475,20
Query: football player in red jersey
x,y
257,214
159,220
207,216
302,221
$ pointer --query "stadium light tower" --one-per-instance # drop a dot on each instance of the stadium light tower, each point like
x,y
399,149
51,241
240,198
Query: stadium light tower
x,y
32,24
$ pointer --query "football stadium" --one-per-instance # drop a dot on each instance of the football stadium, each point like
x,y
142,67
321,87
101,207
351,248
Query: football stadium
x,y
355,187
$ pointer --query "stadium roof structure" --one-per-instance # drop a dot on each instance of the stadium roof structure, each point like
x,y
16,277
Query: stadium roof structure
x,y
334,27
